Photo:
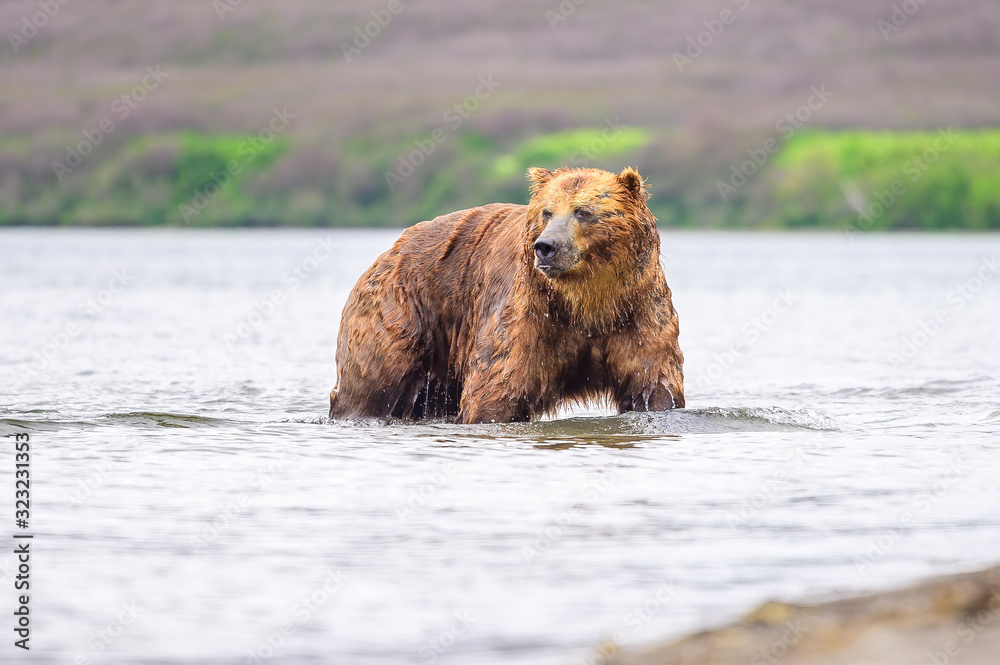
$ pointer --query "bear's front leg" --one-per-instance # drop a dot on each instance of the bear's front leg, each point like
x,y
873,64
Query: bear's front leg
x,y
662,396
488,398
501,382
649,377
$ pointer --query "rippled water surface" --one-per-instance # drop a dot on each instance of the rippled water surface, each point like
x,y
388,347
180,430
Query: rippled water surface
x,y
192,504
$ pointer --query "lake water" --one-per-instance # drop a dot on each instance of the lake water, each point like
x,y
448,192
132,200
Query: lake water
x,y
192,504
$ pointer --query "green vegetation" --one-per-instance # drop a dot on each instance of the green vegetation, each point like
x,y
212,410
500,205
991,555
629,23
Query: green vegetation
x,y
164,179
865,180
574,147
883,180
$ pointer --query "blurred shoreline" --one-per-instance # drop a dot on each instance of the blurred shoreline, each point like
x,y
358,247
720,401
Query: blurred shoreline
x,y
946,620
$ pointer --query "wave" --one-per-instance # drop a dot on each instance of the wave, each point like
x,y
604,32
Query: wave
x,y
934,388
10,426
163,419
623,429
630,428
750,419
129,419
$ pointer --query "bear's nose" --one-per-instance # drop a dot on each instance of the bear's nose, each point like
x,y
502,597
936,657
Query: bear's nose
x,y
546,248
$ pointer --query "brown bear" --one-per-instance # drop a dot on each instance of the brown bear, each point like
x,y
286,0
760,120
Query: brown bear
x,y
504,312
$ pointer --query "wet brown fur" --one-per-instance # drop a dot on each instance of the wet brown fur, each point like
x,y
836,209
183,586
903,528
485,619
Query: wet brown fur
x,y
455,320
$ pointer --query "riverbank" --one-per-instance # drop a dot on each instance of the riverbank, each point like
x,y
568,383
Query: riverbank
x,y
946,621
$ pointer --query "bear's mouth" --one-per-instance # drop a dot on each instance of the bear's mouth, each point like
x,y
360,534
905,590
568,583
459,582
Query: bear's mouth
x,y
549,270
553,269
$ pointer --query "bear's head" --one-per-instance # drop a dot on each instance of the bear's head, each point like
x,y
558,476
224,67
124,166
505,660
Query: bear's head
x,y
588,225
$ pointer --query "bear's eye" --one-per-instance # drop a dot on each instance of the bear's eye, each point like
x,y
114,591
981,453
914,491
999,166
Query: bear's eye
x,y
585,215
546,215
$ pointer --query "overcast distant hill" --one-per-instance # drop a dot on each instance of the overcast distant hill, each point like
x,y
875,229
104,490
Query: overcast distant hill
x,y
316,112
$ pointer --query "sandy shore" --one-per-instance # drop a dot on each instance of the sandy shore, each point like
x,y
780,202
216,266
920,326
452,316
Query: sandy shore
x,y
952,620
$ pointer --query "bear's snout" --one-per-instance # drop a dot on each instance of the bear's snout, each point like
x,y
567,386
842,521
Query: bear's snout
x,y
546,248
555,249
554,256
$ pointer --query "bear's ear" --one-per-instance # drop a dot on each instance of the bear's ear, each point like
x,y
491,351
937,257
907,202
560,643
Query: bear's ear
x,y
633,183
538,177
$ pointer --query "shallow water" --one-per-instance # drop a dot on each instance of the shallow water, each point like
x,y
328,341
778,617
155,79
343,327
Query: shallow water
x,y
184,470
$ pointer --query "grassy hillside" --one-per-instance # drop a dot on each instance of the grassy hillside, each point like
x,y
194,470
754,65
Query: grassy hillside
x,y
194,113
881,180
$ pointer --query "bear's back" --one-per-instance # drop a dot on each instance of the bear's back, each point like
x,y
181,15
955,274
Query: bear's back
x,y
462,256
